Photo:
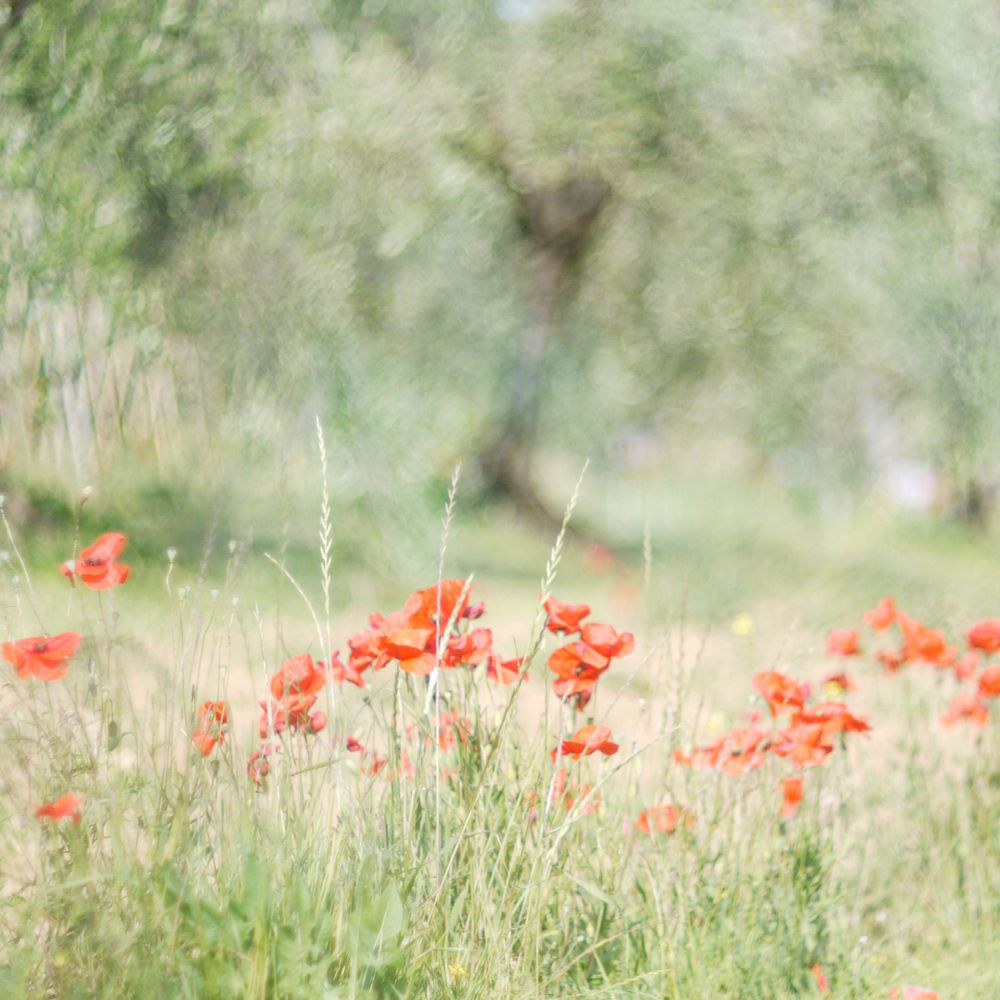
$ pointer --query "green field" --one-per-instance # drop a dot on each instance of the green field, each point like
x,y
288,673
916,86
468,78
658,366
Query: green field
x,y
187,879
310,305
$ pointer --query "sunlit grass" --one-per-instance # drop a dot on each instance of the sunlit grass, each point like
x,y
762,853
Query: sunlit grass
x,y
186,879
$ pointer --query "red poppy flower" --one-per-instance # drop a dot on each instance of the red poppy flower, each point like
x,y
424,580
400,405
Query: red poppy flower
x,y
883,615
340,672
422,607
278,720
364,645
989,682
742,749
213,717
985,635
577,659
258,766
923,643
821,982
474,611
780,692
504,671
843,642
378,762
913,993
274,720
469,649
353,746
607,641
559,781
586,741
408,646
589,800
294,688
297,684
804,744
407,770
791,796
891,659
663,819
65,807
967,706
833,716
565,617
41,656
578,668
96,566
574,692
966,666
450,726
585,798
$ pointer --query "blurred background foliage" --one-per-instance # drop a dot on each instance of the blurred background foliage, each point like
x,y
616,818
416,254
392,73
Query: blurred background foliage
x,y
757,240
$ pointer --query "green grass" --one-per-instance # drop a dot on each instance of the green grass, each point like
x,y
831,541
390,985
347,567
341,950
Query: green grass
x,y
185,880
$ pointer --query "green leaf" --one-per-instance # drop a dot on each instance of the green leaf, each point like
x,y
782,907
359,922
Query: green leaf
x,y
593,890
377,927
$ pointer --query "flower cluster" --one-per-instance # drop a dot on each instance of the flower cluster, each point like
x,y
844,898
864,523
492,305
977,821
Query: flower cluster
x,y
426,633
663,819
581,795
436,630
920,644
294,690
802,734
431,631
579,665
46,657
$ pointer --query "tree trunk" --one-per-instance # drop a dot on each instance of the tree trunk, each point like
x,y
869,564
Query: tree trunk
x,y
557,224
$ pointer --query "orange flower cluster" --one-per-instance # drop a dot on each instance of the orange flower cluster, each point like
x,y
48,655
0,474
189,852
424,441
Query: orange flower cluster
x,y
575,793
448,730
569,793
586,741
663,819
806,741
579,665
376,760
922,644
46,657
412,637
431,629
294,690
259,764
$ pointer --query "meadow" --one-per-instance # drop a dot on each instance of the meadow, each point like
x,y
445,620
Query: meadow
x,y
499,498
197,805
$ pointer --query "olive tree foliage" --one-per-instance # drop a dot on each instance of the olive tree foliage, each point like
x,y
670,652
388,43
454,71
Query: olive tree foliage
x,y
938,157
475,228
122,127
